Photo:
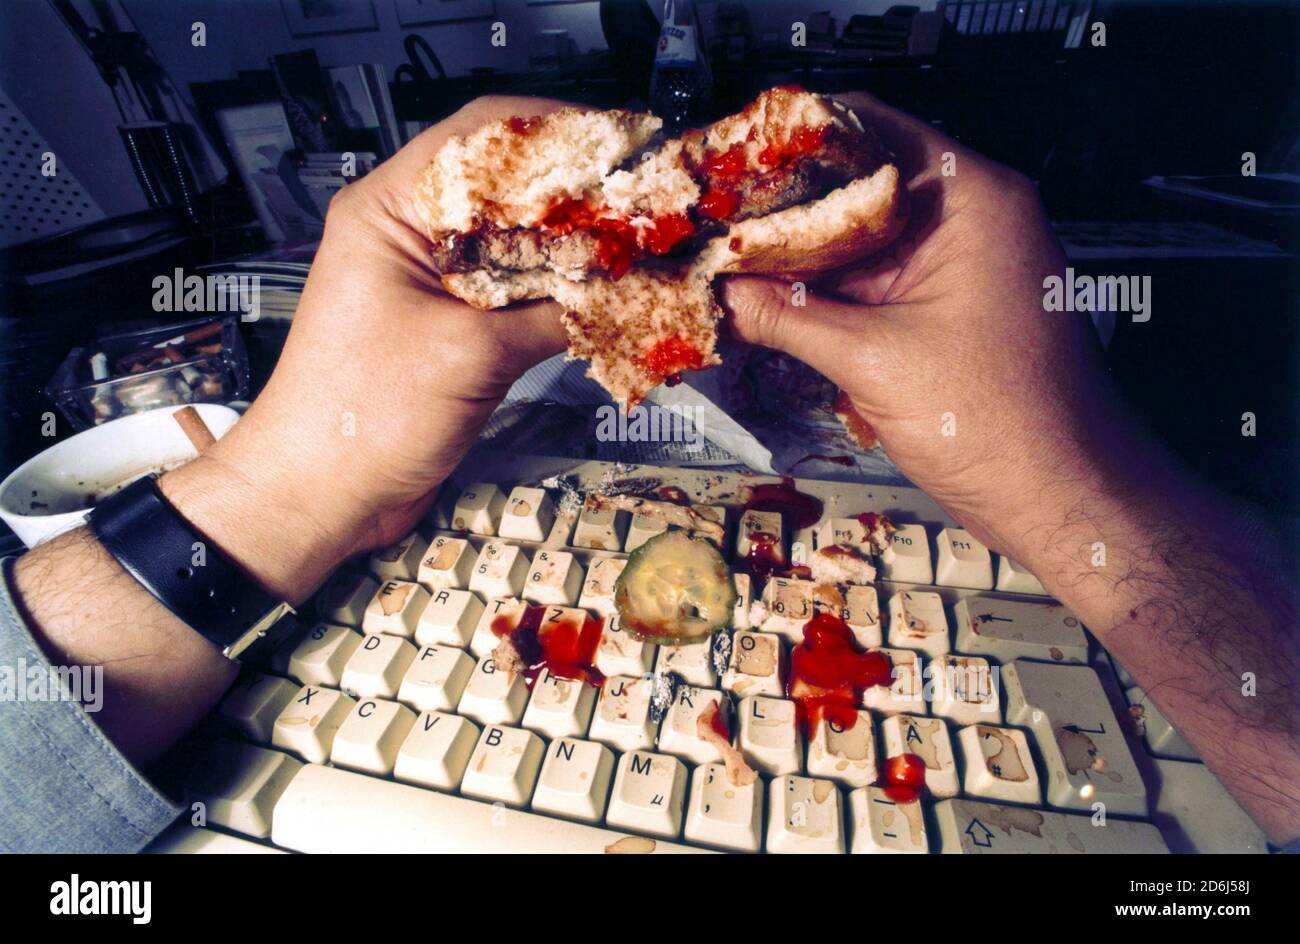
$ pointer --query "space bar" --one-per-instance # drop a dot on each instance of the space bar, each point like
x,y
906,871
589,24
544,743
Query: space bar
x,y
325,809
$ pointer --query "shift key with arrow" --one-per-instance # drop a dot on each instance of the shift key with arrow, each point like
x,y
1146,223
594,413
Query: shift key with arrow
x,y
1016,629
1086,756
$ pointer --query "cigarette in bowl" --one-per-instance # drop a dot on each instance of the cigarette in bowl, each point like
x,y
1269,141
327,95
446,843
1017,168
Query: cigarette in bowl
x,y
195,430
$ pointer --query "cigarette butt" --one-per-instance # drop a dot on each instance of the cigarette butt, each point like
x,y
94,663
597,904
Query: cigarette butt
x,y
195,430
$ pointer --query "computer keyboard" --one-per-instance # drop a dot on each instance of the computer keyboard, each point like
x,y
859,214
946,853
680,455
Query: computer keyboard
x,y
386,725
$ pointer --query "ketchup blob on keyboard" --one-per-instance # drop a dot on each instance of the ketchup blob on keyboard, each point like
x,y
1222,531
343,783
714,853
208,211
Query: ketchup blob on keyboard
x,y
828,674
802,509
558,645
904,777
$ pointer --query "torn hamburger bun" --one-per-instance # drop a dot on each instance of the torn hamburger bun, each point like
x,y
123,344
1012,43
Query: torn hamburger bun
x,y
627,230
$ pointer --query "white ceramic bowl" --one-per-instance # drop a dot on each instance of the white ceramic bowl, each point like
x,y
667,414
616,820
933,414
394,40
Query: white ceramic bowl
x,y
53,491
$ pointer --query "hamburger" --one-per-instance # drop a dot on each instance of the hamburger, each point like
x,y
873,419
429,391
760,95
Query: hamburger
x,y
627,229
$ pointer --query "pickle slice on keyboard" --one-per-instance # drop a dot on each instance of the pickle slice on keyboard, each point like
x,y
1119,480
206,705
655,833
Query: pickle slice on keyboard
x,y
675,589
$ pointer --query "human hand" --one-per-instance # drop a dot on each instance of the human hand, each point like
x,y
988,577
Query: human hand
x,y
942,343
383,384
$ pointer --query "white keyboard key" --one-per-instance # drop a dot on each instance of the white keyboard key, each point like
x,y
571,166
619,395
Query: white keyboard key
x,y
436,679
928,739
574,782
601,529
554,579
377,666
499,571
1084,751
371,735
744,596
789,605
493,697
400,561
326,809
722,815
396,608
770,536
678,735
998,764
619,653
528,516
344,598
917,621
504,766
907,693
447,565
845,755
479,509
253,705
642,528
307,726
1196,813
622,718
755,665
1013,578
692,663
962,561
862,614
239,786
1012,629
769,735
649,794
319,658
976,827
436,751
964,689
907,559
804,816
449,619
598,588
844,532
882,825
560,707
499,618
1159,735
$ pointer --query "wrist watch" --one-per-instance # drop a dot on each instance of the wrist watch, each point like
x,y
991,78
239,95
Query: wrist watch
x,y
187,574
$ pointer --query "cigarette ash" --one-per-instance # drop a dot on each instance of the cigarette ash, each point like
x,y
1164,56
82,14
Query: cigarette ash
x,y
720,651
663,692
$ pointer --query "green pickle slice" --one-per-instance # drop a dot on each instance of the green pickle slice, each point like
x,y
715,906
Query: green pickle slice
x,y
675,589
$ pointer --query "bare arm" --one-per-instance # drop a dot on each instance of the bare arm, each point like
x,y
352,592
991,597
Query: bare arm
x,y
1001,410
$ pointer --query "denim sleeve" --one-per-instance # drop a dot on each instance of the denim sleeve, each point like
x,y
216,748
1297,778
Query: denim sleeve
x,y
64,787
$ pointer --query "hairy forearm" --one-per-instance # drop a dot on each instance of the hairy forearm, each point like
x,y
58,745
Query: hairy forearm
x,y
83,608
1195,600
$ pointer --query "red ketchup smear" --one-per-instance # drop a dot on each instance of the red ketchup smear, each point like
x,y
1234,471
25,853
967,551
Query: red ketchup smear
x,y
562,647
524,125
666,233
672,356
719,724
728,163
828,673
869,520
673,493
785,498
616,240
761,561
904,778
718,204
802,142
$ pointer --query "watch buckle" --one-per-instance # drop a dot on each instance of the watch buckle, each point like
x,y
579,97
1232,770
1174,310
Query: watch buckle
x,y
258,630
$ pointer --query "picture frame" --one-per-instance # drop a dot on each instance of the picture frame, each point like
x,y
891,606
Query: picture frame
x,y
318,17
417,12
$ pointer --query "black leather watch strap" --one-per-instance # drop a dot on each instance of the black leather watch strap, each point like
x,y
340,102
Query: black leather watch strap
x,y
187,574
